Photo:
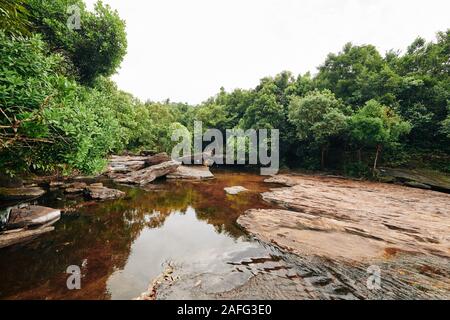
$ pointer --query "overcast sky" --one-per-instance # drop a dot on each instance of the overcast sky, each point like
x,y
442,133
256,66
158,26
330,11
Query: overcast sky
x,y
186,50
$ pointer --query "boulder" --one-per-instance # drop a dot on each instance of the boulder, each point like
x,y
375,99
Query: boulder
x,y
75,187
24,193
121,165
13,237
157,159
31,216
191,173
235,190
147,175
97,191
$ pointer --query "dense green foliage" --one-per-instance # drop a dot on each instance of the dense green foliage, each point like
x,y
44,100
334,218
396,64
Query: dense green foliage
x,y
60,112
96,48
14,17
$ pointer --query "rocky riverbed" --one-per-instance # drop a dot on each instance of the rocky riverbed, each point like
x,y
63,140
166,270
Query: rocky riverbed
x,y
333,233
235,237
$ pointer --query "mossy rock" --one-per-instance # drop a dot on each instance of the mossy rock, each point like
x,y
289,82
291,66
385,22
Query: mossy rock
x,y
418,178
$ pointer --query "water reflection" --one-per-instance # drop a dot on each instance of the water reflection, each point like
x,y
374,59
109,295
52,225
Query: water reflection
x,y
121,245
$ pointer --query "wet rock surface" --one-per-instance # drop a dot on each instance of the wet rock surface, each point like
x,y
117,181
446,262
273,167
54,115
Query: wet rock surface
x,y
191,173
351,225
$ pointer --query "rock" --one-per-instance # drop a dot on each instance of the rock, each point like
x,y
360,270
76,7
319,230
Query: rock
x,y
126,164
147,175
120,165
24,193
73,209
199,159
436,180
166,277
97,191
31,216
56,184
352,220
13,237
235,190
76,187
415,184
157,159
147,153
191,173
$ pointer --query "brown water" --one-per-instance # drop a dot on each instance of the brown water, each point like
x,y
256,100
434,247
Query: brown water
x,y
122,245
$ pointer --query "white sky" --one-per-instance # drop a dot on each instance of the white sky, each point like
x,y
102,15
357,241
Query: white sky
x,y
186,50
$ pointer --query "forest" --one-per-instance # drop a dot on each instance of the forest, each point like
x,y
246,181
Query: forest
x,y
60,112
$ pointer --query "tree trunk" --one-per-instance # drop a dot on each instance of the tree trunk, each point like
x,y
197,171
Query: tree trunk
x,y
379,147
322,162
359,156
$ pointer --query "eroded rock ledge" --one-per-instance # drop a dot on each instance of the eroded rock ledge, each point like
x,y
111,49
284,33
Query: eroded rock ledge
x,y
352,220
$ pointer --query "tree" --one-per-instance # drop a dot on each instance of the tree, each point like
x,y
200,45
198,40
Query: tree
x,y
318,117
353,75
446,125
14,17
376,125
97,48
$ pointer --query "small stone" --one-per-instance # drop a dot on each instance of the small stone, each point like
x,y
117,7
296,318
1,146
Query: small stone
x,y
235,190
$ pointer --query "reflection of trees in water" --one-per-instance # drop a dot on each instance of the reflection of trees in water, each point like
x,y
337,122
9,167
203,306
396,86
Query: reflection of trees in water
x,y
102,236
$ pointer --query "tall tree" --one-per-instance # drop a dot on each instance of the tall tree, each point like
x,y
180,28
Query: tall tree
x,y
318,117
376,125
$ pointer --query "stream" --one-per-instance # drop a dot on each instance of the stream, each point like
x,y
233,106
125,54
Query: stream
x,y
122,245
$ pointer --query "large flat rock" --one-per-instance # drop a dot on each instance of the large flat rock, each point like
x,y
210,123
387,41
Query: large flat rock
x,y
352,220
191,173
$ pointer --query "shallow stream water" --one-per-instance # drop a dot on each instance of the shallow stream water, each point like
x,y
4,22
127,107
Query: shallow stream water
x,y
121,245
